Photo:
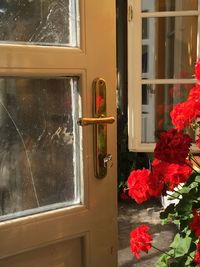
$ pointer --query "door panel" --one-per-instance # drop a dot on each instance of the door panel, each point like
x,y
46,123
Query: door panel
x,y
65,253
76,218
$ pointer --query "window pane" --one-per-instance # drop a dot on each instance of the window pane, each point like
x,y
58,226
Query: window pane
x,y
145,30
40,151
145,54
40,22
169,5
172,47
157,103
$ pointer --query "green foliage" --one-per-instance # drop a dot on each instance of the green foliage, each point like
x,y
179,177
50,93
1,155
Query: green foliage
x,y
182,250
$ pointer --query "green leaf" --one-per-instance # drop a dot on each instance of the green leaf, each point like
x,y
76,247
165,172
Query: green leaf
x,y
192,178
197,179
167,211
190,259
163,261
176,264
185,204
181,245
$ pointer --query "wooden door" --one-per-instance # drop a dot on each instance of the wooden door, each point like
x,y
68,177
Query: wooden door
x,y
54,211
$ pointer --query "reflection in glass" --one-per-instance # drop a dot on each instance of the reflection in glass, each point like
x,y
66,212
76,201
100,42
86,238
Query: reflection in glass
x,y
39,144
157,104
41,22
173,46
169,5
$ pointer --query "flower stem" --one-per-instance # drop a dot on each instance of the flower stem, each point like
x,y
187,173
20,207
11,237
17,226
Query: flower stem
x,y
162,251
173,196
177,192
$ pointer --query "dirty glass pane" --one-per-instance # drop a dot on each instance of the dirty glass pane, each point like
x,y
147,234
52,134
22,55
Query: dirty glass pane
x,y
157,103
170,50
169,5
40,148
145,30
42,22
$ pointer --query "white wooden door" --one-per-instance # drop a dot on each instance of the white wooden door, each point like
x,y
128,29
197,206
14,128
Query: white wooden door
x,y
54,211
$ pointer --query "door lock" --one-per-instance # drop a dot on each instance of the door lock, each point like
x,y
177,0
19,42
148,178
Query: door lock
x,y
108,158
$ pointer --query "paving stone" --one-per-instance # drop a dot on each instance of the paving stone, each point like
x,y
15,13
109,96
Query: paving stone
x,y
130,216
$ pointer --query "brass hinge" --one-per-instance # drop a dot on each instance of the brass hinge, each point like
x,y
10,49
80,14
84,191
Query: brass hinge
x,y
130,13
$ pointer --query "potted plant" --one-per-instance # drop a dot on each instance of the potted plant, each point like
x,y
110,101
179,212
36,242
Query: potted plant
x,y
175,173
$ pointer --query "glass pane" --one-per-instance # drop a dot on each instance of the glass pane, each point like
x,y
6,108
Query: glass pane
x,y
145,30
40,22
172,46
40,151
169,5
157,103
145,63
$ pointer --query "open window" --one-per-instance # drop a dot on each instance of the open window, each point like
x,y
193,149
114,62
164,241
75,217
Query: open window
x,y
162,50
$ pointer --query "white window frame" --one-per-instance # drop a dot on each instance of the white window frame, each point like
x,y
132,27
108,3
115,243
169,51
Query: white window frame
x,y
135,80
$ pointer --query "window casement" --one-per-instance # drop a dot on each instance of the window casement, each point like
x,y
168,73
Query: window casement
x,y
163,46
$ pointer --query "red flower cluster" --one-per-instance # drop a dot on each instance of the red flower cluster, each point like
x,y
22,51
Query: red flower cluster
x,y
144,184
197,70
176,174
170,175
195,224
197,254
140,240
169,169
194,94
173,147
184,113
138,185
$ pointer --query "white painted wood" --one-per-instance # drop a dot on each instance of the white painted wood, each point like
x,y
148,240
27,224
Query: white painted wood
x,y
170,14
136,120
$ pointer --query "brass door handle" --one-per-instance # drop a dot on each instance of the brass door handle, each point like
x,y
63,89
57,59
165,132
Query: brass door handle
x,y
100,120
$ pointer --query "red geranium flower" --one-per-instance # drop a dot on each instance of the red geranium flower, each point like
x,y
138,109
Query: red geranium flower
x,y
155,184
167,176
156,179
182,114
195,224
176,174
140,240
173,147
137,185
197,70
194,94
197,254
